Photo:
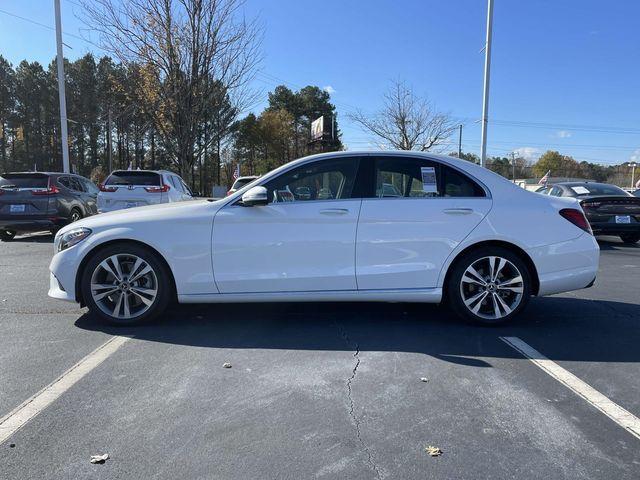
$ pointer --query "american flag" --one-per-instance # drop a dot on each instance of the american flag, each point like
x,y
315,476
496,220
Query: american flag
x,y
236,172
545,179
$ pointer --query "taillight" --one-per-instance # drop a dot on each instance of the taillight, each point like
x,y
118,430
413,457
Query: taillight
x,y
104,188
590,204
163,188
577,218
51,190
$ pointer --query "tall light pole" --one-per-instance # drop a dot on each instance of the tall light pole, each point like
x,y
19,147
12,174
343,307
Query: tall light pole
x,y
487,68
633,166
61,92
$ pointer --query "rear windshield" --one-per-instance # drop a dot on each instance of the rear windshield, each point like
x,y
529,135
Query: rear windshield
x,y
132,177
591,189
24,180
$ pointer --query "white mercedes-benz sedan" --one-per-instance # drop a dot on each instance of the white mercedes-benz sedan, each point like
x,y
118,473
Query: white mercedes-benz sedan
x,y
347,226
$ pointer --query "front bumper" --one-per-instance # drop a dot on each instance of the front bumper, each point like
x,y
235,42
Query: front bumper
x,y
62,275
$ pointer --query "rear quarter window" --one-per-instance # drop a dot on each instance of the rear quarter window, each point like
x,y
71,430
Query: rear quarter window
x,y
133,178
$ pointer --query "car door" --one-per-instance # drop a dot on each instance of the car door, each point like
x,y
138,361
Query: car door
x,y
420,211
81,198
90,195
302,240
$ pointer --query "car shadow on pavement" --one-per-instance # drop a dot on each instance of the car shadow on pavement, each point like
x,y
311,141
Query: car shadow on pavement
x,y
614,243
44,237
559,327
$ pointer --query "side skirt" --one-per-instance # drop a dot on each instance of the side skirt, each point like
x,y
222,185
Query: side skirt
x,y
422,295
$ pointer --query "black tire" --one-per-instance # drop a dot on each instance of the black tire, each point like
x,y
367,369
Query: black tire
x,y
75,215
162,281
630,237
456,288
7,235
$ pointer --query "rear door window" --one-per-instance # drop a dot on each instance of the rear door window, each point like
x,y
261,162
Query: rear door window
x,y
133,177
406,177
75,184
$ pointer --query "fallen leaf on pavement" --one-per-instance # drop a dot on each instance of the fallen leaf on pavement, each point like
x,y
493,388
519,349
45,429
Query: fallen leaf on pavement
x,y
226,365
433,451
99,458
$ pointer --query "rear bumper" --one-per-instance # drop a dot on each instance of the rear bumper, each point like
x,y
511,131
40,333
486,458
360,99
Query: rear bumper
x,y
610,228
31,225
566,266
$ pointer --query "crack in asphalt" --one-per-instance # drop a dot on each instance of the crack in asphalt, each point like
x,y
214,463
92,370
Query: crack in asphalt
x,y
352,413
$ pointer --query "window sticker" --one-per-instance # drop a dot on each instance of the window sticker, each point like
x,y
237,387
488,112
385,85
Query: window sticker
x,y
580,190
429,181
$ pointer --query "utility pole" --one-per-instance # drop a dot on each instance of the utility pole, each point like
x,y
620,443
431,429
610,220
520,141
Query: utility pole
x,y
109,140
487,67
61,92
633,166
513,166
460,143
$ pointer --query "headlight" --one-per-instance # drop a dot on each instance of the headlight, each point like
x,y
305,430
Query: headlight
x,y
71,238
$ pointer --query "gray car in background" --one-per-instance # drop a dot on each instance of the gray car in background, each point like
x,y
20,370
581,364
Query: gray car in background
x,y
36,201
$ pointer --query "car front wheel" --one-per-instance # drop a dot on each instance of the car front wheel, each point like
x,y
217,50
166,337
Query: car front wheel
x,y
126,284
7,235
489,286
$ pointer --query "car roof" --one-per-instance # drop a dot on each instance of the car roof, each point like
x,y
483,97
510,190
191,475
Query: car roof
x,y
145,171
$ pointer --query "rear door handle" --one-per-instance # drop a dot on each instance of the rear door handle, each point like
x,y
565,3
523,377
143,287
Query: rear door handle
x,y
458,211
334,211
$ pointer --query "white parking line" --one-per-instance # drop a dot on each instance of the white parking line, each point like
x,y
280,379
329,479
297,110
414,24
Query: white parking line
x,y
19,416
615,412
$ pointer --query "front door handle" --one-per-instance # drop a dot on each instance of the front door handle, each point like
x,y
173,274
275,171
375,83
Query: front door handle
x,y
458,211
334,211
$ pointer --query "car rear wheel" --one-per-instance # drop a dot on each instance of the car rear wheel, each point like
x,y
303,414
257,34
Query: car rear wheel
x,y
7,235
75,215
489,286
126,284
630,237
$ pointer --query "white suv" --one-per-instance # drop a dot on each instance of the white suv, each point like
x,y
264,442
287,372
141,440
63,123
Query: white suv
x,y
137,188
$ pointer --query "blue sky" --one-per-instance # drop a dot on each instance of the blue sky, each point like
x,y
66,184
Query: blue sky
x,y
569,67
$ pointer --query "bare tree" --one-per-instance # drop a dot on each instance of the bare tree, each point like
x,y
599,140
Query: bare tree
x,y
406,121
189,52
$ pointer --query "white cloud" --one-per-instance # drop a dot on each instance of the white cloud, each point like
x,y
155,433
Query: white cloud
x,y
329,89
563,134
528,153
635,156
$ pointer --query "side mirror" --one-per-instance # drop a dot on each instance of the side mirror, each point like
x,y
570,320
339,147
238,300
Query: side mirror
x,y
255,196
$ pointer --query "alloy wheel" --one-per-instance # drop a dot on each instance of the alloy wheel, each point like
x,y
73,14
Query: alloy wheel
x,y
124,286
492,287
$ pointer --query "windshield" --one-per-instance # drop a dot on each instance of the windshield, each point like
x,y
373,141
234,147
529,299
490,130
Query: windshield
x,y
587,189
133,177
24,180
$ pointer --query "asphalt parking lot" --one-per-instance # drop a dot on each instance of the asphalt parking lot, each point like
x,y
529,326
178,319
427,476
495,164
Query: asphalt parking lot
x,y
321,390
